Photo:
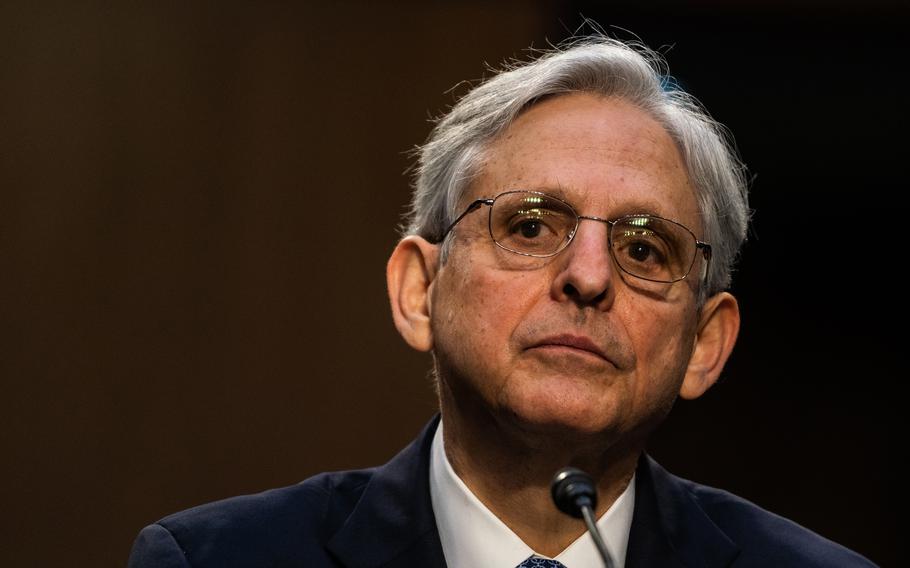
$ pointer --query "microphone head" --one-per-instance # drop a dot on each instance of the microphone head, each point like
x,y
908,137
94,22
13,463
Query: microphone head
x,y
572,489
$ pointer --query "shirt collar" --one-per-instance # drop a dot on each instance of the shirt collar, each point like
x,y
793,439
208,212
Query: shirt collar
x,y
471,535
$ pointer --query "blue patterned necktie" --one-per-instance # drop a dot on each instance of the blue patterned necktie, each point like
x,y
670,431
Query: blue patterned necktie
x,y
538,562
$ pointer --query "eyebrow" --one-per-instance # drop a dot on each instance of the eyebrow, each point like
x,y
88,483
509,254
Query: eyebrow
x,y
643,208
635,207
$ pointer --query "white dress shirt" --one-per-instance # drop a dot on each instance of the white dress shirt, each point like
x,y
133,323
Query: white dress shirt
x,y
473,537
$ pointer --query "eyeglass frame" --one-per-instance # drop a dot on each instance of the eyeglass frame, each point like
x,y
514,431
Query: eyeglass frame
x,y
489,201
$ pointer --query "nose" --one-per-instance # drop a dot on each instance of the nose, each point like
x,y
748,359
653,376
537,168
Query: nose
x,y
586,268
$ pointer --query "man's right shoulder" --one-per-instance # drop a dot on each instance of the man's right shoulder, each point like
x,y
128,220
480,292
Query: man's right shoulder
x,y
282,524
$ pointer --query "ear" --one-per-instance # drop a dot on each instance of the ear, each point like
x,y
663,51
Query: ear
x,y
409,274
718,327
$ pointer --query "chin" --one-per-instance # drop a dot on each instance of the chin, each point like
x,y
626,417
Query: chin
x,y
562,412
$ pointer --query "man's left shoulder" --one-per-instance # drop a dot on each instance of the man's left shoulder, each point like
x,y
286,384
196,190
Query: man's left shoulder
x,y
765,538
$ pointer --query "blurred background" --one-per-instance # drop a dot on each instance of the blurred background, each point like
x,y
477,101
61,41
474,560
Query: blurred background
x,y
197,200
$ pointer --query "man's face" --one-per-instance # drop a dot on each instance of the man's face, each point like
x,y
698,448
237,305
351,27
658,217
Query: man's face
x,y
569,342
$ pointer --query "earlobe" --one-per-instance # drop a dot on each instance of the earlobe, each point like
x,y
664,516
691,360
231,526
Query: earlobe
x,y
409,275
718,327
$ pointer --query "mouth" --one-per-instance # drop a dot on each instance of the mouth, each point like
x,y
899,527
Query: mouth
x,y
570,344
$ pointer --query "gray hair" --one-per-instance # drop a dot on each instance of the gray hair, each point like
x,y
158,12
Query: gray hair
x,y
454,151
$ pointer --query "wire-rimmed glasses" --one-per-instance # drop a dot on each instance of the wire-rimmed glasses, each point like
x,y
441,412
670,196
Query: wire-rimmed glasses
x,y
531,223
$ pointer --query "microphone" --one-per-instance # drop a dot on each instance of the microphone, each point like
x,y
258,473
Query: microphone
x,y
575,494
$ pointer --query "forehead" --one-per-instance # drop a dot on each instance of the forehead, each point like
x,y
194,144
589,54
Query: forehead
x,y
603,155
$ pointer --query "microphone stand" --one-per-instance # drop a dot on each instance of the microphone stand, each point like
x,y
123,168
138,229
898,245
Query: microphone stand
x,y
575,494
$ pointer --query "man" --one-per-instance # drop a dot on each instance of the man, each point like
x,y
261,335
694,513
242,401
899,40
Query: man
x,y
572,232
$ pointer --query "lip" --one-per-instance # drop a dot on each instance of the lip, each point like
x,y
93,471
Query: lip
x,y
578,342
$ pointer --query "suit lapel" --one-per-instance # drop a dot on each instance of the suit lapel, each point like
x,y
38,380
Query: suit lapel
x,y
669,528
393,524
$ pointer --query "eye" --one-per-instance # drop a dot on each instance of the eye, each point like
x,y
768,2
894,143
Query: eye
x,y
529,228
642,248
640,251
530,224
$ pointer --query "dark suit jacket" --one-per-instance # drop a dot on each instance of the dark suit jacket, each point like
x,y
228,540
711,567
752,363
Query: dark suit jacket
x,y
383,517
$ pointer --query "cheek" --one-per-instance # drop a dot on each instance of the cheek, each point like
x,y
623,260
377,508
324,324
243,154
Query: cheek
x,y
479,307
663,349
465,305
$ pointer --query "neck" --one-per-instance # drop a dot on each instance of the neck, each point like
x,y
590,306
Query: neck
x,y
510,472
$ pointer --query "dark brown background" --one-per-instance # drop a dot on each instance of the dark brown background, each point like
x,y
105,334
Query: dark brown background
x,y
198,201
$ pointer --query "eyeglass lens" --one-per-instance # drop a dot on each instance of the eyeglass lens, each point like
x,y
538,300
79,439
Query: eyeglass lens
x,y
648,247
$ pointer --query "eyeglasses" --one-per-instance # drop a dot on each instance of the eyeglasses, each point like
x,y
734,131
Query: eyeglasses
x,y
535,224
